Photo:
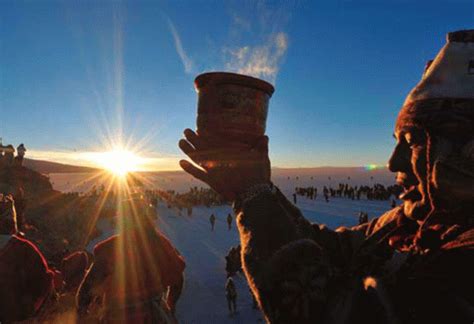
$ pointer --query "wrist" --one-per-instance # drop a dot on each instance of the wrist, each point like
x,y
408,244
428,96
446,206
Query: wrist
x,y
254,191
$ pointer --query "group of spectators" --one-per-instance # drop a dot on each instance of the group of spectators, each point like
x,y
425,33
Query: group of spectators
x,y
41,281
184,201
345,190
27,281
7,155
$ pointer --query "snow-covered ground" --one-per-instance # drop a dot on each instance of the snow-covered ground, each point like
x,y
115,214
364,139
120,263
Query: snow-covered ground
x,y
203,299
284,178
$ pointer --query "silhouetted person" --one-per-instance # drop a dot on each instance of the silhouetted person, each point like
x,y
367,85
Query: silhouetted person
x,y
137,275
233,262
21,150
365,218
231,295
9,155
73,270
212,220
361,217
412,264
229,221
393,204
26,282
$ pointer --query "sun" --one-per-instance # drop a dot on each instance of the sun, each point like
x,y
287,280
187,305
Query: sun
x,y
119,161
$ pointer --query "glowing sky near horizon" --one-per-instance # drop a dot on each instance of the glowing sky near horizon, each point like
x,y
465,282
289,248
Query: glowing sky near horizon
x,y
76,76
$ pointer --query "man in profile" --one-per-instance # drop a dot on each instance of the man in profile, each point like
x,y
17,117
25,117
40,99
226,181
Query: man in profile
x,y
412,264
25,279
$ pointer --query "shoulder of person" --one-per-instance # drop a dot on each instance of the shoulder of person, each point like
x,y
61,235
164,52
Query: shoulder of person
x,y
29,251
105,247
23,243
75,259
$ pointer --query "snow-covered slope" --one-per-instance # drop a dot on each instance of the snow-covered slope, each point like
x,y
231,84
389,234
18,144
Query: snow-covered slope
x,y
203,299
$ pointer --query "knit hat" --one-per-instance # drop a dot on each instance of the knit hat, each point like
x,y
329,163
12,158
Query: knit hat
x,y
444,98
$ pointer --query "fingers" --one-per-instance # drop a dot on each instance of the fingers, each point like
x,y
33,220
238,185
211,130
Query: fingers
x,y
195,172
194,139
186,147
198,157
204,143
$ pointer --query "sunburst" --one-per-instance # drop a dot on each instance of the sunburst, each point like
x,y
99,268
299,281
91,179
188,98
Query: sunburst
x,y
118,161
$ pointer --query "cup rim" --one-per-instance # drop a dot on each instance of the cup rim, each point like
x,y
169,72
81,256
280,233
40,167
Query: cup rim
x,y
216,78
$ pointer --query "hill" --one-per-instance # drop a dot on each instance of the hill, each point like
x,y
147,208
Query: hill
x,y
47,167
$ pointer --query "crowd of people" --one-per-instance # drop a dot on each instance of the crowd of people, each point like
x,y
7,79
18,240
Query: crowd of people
x,y
139,257
46,274
186,200
345,190
7,155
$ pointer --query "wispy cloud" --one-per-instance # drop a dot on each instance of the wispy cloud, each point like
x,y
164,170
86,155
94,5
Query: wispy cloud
x,y
257,42
187,62
261,61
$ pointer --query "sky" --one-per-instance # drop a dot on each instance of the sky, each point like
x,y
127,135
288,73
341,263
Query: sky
x,y
77,77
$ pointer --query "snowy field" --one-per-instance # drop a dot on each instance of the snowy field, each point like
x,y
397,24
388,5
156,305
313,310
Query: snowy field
x,y
203,299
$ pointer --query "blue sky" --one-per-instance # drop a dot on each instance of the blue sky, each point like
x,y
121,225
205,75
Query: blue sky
x,y
74,75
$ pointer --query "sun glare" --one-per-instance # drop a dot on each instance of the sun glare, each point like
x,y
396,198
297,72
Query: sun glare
x,y
119,161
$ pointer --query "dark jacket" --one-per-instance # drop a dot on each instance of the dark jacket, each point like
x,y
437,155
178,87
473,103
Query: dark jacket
x,y
375,272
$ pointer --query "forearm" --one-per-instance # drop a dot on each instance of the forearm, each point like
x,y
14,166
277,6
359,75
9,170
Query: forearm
x,y
276,242
267,221
290,263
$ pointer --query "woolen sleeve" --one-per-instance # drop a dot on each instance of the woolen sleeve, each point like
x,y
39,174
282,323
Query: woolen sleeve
x,y
294,267
278,247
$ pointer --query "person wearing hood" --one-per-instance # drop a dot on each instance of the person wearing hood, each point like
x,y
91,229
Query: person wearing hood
x,y
412,264
137,274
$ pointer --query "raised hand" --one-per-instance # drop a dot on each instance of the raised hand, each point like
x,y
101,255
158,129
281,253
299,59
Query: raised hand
x,y
229,168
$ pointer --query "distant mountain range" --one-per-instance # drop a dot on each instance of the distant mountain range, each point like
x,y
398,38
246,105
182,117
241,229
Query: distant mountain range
x,y
54,167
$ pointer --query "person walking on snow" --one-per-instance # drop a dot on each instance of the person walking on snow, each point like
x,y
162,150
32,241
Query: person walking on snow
x,y
212,219
231,295
229,221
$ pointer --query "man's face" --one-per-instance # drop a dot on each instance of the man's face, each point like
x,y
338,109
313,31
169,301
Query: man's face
x,y
409,161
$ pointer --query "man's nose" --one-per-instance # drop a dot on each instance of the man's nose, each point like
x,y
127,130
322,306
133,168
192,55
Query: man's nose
x,y
400,159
